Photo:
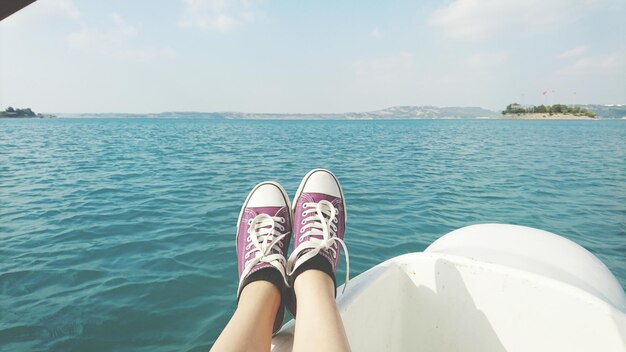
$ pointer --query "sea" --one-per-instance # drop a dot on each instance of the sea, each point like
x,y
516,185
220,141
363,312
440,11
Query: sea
x,y
119,234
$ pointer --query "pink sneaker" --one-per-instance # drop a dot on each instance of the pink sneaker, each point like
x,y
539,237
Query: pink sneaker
x,y
263,234
319,223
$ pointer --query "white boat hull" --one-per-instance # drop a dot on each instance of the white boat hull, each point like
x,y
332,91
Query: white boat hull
x,y
478,300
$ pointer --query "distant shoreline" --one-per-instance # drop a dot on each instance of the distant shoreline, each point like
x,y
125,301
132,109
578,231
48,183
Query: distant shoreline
x,y
408,112
26,113
539,116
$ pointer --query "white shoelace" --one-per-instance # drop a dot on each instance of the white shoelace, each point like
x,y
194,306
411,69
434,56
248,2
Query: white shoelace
x,y
263,237
318,219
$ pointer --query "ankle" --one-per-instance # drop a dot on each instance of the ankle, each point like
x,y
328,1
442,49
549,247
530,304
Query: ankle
x,y
260,294
314,283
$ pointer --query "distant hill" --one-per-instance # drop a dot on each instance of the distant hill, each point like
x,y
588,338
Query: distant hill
x,y
423,112
615,111
396,112
392,113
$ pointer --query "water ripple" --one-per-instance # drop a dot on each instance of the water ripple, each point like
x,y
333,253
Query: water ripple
x,y
119,234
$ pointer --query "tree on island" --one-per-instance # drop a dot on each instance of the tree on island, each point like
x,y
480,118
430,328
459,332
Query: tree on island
x,y
518,109
11,112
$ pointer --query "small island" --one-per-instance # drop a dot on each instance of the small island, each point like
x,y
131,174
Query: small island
x,y
21,113
549,112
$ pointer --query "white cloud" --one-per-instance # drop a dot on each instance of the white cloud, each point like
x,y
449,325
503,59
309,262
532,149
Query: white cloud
x,y
376,33
483,19
41,11
487,59
220,15
577,51
115,42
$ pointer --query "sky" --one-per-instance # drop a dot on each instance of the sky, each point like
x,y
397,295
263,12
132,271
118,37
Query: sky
x,y
144,56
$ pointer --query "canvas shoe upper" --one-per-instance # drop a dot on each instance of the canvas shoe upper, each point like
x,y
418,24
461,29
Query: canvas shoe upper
x,y
263,235
319,221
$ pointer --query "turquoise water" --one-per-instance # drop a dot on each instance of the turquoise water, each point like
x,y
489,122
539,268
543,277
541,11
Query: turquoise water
x,y
118,234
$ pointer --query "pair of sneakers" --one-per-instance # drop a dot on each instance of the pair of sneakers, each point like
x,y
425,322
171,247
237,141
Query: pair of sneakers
x,y
266,222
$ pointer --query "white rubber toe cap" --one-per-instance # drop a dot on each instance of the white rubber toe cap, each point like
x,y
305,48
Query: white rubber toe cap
x,y
322,181
267,194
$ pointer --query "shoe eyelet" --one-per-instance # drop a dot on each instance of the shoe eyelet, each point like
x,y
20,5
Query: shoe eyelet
x,y
248,238
303,222
302,230
303,214
305,205
249,221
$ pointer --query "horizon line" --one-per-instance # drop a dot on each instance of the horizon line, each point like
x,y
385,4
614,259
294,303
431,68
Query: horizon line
x,y
312,113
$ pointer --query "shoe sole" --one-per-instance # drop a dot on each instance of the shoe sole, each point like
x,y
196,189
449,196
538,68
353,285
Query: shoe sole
x,y
245,203
301,187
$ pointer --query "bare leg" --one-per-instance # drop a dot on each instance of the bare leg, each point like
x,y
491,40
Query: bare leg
x,y
250,328
318,324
